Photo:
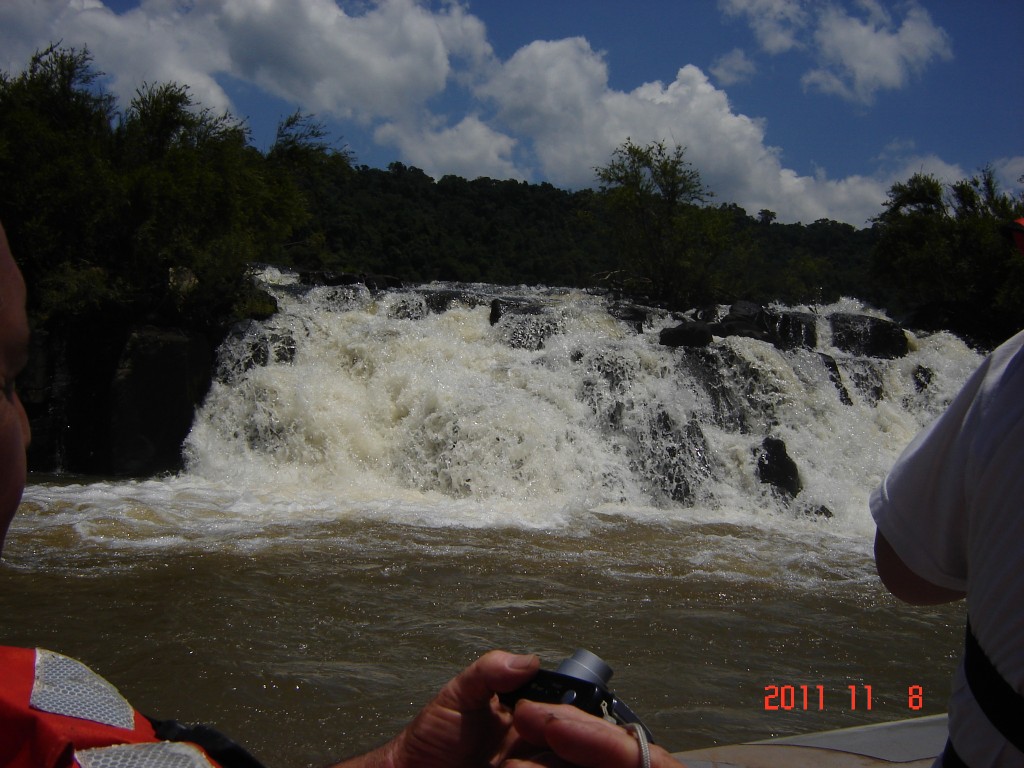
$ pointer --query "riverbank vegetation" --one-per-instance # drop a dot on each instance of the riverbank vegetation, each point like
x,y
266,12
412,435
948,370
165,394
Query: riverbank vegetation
x,y
150,212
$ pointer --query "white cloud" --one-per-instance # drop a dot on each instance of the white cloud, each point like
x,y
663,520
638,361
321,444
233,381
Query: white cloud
x,y
470,149
777,24
861,57
385,63
557,94
549,85
154,43
23,23
734,67
900,160
1010,174
896,148
858,55
553,92
932,165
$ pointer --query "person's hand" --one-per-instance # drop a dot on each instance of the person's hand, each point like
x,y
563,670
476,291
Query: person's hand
x,y
464,725
571,737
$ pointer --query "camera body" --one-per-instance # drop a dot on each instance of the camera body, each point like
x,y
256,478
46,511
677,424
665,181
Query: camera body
x,y
580,680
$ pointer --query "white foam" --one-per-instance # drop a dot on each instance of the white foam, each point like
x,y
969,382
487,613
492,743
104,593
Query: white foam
x,y
362,413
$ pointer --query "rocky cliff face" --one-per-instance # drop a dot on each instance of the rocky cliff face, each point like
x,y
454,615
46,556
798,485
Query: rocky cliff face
x,y
103,401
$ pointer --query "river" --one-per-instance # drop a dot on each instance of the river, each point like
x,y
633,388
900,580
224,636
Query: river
x,y
376,492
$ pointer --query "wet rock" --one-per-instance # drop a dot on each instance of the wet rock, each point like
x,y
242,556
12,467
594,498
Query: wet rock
x,y
729,381
408,307
867,380
745,319
834,376
707,314
322,277
817,510
868,336
775,467
249,345
439,302
673,458
523,325
922,377
744,310
790,329
688,334
43,387
631,314
785,329
529,331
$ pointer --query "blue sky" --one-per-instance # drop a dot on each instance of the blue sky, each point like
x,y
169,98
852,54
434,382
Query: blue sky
x,y
810,108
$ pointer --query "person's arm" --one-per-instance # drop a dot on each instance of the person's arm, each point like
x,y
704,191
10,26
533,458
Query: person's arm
x,y
578,739
903,582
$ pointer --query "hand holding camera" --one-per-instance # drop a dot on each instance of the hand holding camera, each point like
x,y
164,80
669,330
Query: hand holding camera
x,y
580,680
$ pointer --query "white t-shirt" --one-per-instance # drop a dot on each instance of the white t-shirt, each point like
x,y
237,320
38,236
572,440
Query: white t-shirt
x,y
952,507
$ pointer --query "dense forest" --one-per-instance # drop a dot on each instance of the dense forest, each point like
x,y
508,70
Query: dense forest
x,y
151,212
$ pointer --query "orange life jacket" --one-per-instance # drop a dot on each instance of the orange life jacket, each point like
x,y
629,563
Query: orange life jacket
x,y
57,713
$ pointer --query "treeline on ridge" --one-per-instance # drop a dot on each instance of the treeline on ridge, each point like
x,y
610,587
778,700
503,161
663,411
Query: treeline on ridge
x,y
153,211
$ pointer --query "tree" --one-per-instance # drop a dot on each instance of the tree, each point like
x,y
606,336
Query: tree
x,y
200,205
941,256
650,195
315,175
913,261
58,191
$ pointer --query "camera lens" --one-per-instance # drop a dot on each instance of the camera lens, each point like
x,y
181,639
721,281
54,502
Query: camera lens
x,y
584,665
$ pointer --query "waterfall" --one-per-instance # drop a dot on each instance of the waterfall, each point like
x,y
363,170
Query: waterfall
x,y
485,405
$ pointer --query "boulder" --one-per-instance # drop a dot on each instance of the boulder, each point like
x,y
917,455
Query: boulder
x,y
923,377
67,394
688,334
867,380
868,336
631,314
707,314
496,311
775,467
440,301
785,329
790,329
744,310
524,325
745,318
322,277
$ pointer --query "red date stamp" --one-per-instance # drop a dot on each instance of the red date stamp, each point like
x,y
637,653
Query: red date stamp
x,y
806,698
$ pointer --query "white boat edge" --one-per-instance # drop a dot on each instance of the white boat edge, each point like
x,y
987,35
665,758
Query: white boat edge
x,y
912,743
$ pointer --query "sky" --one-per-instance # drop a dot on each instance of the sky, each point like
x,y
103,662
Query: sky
x,y
809,108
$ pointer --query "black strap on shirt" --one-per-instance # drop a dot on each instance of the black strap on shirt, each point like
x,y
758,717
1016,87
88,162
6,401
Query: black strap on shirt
x,y
1002,705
